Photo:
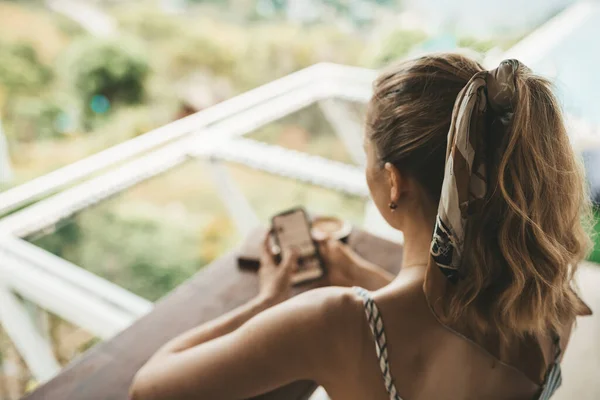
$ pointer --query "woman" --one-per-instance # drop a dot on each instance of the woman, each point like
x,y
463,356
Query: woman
x,y
478,160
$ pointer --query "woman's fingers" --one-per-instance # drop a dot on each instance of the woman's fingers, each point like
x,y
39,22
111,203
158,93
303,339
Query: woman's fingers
x,y
266,255
332,245
267,241
327,248
322,246
289,261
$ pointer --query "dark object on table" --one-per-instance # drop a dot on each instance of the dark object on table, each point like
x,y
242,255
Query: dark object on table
x,y
249,252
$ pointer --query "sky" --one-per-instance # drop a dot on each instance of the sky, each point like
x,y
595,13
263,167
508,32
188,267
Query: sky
x,y
485,17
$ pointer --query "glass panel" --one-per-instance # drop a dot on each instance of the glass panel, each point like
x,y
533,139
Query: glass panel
x,y
309,131
152,237
269,194
15,377
67,341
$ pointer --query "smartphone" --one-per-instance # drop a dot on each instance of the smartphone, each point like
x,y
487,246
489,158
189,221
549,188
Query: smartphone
x,y
291,229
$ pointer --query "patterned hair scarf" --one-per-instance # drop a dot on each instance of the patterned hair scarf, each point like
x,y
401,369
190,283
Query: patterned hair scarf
x,y
465,179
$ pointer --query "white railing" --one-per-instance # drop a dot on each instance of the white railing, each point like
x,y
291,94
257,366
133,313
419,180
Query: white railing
x,y
101,307
50,183
296,165
71,292
203,142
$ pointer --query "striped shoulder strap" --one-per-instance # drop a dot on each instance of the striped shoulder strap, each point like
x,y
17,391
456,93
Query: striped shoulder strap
x,y
376,325
553,378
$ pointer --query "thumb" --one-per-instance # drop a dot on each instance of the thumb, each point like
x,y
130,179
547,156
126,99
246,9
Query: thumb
x,y
290,258
323,249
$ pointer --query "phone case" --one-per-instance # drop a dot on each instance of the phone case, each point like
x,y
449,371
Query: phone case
x,y
317,254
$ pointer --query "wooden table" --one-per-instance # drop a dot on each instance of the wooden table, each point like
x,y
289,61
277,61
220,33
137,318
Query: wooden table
x,y
105,372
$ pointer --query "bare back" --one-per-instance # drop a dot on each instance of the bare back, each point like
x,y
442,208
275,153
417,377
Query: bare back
x,y
427,359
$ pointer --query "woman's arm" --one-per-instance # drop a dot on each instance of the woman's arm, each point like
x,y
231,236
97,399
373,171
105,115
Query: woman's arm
x,y
274,289
213,329
172,363
368,275
254,348
295,340
346,268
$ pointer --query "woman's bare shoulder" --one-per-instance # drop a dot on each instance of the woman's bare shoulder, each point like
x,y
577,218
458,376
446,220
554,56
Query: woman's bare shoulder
x,y
331,307
334,316
404,307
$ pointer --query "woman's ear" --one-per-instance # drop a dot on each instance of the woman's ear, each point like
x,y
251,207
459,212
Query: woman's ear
x,y
394,180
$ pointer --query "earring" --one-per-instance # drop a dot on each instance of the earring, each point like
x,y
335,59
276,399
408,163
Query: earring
x,y
393,206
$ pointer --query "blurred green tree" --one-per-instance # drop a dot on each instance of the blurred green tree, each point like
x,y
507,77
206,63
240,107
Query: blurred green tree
x,y
112,70
148,23
195,50
29,112
36,118
21,69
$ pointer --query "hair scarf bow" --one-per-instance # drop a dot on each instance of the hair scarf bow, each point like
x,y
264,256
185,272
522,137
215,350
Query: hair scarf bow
x,y
465,178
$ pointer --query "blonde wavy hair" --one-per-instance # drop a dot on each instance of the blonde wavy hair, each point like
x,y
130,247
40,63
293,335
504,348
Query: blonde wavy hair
x,y
523,248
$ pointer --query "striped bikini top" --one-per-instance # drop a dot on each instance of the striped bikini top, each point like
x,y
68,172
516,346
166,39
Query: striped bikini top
x,y
552,380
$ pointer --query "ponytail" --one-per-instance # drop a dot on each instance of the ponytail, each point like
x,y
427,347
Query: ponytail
x,y
527,240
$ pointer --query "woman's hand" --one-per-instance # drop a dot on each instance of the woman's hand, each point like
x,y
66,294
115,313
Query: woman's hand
x,y
346,268
340,260
275,280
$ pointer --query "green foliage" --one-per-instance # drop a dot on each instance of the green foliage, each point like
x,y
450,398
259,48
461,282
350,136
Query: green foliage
x,y
131,121
114,68
182,46
485,45
68,26
29,112
595,254
148,23
275,50
21,69
247,55
339,6
397,46
139,250
307,131
36,118
279,4
27,2
198,50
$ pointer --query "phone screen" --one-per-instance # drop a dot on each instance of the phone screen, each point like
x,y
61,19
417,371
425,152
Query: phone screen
x,y
292,230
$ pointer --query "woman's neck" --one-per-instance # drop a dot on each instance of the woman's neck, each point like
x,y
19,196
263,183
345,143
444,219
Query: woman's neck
x,y
417,232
